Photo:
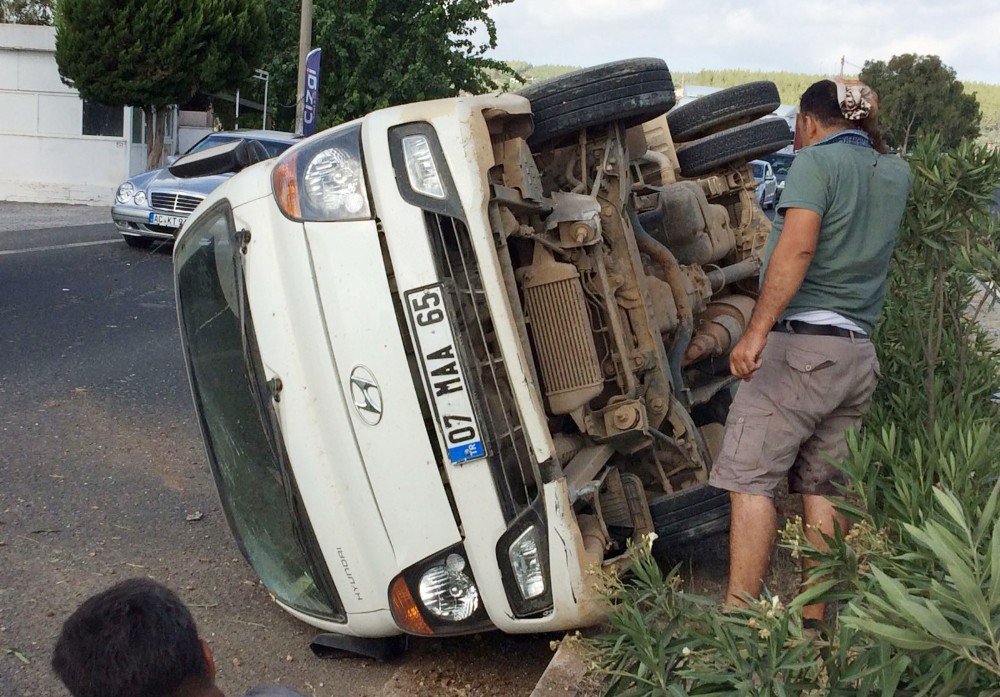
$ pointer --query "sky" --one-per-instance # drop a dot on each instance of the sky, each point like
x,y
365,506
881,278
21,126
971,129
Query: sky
x,y
808,36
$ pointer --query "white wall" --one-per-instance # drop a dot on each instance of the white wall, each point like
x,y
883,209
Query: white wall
x,y
44,157
59,169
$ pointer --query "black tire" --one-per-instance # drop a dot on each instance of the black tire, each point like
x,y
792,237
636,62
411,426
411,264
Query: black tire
x,y
631,91
138,241
739,144
723,109
689,516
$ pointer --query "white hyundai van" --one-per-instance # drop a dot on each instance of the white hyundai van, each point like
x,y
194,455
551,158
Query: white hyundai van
x,y
453,359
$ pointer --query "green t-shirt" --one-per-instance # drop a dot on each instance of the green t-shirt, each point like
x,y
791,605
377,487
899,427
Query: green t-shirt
x,y
861,196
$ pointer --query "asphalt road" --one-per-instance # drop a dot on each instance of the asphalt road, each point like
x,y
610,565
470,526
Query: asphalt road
x,y
101,465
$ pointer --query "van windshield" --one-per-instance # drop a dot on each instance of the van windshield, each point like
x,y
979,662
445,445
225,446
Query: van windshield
x,y
244,446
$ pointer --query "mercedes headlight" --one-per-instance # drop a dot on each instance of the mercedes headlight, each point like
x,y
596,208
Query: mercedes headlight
x,y
447,592
140,199
125,192
324,180
526,564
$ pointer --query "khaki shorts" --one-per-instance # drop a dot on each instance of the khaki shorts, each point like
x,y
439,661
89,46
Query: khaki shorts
x,y
791,418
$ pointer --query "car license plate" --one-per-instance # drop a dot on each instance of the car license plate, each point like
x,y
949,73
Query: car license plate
x,y
166,220
446,381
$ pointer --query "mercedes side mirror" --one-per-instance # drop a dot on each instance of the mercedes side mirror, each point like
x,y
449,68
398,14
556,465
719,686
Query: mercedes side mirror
x,y
222,159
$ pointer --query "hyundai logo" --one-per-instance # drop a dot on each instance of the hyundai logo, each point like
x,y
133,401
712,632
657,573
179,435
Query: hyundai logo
x,y
366,395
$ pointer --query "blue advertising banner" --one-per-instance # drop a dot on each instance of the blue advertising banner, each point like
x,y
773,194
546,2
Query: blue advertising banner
x,y
310,111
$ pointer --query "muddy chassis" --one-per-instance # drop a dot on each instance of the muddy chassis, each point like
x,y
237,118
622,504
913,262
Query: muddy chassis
x,y
630,284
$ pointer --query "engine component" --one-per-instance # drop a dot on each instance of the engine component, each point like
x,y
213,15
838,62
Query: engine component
x,y
698,286
557,314
719,327
614,509
623,424
577,217
740,271
659,152
661,302
696,231
519,170
752,236
671,272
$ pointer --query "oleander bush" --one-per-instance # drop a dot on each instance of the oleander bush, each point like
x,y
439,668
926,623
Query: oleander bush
x,y
916,577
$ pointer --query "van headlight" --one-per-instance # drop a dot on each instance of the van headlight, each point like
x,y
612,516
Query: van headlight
x,y
523,555
324,179
421,169
526,564
438,596
125,192
448,592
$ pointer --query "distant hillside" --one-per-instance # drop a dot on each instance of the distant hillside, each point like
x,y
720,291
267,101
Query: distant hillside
x,y
790,86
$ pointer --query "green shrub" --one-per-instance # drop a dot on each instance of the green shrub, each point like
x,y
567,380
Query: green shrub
x,y
918,572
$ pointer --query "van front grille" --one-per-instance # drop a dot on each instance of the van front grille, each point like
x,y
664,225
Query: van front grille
x,y
515,469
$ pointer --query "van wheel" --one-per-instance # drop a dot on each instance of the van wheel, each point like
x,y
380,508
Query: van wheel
x,y
723,109
689,516
631,91
739,144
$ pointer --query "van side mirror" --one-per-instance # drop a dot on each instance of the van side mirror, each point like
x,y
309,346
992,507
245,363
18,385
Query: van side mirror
x,y
222,159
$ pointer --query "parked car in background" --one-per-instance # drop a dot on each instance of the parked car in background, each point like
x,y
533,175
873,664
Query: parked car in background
x,y
767,184
780,163
153,205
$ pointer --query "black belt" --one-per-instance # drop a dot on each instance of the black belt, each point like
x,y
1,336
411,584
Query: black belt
x,y
794,326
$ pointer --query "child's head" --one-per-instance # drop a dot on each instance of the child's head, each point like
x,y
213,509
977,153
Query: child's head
x,y
136,639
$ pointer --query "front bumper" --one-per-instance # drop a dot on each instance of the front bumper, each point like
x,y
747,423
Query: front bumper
x,y
132,220
414,238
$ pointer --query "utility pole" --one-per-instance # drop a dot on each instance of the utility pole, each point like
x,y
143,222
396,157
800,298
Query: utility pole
x,y
305,43
842,59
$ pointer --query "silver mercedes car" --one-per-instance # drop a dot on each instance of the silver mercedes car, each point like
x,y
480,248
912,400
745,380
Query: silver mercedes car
x,y
153,205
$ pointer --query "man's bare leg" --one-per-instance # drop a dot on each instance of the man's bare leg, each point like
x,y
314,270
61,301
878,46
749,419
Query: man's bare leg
x,y
751,539
820,516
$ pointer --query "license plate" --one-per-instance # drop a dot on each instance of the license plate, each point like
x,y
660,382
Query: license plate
x,y
166,220
446,383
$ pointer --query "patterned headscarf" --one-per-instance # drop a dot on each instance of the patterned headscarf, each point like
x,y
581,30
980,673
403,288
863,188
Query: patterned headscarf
x,y
857,100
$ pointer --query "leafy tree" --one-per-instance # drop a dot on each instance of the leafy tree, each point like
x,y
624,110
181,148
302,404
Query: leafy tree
x,y
26,11
920,93
155,53
379,53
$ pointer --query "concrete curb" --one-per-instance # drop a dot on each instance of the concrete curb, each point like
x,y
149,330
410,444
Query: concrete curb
x,y
566,672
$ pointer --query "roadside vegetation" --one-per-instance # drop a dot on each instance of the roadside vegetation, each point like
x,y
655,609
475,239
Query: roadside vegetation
x,y
917,576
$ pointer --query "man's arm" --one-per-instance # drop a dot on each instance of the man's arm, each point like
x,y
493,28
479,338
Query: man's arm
x,y
785,273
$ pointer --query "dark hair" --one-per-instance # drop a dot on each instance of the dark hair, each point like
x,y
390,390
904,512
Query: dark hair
x,y
136,639
820,101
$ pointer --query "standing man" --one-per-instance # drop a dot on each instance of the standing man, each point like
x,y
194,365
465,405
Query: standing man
x,y
809,365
